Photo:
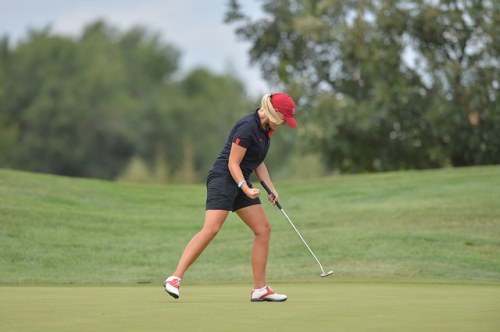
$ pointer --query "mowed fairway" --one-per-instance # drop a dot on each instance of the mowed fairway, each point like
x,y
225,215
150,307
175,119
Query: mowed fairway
x,y
311,307
411,251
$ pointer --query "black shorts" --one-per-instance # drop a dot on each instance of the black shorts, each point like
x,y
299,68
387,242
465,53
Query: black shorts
x,y
223,193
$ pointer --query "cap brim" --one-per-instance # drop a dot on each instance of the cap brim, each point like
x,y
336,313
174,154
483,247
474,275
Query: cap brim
x,y
291,122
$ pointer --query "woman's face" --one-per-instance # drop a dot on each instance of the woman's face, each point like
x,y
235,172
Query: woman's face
x,y
275,125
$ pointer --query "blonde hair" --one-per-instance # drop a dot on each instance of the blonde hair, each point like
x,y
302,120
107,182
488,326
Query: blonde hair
x,y
271,113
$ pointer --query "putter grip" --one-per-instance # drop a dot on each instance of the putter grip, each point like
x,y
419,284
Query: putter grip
x,y
270,193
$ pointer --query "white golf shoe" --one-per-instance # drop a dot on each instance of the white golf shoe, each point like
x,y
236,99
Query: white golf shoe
x,y
266,294
172,285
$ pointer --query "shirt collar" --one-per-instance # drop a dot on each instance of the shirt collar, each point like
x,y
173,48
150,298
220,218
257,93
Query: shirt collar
x,y
269,131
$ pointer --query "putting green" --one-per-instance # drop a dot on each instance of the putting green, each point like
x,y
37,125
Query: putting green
x,y
310,307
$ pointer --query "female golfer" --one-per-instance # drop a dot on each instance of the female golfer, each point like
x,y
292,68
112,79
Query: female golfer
x,y
229,189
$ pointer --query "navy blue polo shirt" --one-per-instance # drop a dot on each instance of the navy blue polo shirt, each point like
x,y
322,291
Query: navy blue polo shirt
x,y
249,134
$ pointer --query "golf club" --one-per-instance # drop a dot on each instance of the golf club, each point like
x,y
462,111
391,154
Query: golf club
x,y
278,205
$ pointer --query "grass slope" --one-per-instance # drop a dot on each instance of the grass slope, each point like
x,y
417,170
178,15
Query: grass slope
x,y
418,226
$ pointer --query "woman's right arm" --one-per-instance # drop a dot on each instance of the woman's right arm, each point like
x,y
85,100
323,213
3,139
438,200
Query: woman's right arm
x,y
235,157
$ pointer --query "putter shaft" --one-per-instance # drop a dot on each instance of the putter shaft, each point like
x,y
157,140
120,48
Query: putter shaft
x,y
305,243
278,205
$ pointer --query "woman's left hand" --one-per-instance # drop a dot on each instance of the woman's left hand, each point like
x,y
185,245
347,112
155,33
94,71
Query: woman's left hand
x,y
273,197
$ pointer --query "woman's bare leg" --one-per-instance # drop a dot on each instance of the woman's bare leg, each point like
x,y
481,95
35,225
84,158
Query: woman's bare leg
x,y
256,219
214,219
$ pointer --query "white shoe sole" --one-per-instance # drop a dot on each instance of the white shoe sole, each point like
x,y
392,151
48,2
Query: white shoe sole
x,y
171,292
269,300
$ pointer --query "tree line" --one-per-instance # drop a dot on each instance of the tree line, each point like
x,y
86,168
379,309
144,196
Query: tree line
x,y
107,104
380,85
389,85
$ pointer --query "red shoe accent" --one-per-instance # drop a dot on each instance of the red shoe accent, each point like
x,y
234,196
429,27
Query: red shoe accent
x,y
174,283
268,292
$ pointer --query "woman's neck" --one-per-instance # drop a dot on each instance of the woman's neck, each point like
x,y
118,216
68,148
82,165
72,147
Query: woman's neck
x,y
264,120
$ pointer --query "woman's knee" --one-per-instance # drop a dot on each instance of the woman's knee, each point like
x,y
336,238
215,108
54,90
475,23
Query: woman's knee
x,y
213,222
210,231
263,230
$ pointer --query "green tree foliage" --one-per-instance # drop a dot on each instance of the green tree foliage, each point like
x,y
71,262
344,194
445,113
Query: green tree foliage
x,y
188,121
71,100
388,84
106,104
460,56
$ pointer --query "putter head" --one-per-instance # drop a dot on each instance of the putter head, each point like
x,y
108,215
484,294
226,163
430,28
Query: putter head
x,y
326,274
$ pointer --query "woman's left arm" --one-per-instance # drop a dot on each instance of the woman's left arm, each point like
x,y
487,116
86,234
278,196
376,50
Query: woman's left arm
x,y
263,175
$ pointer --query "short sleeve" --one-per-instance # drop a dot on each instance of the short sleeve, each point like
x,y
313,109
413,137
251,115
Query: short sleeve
x,y
242,135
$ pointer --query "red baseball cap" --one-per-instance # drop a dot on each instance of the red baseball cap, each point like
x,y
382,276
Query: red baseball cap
x,y
284,104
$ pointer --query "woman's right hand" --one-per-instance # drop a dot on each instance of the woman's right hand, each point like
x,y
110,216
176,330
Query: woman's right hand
x,y
252,193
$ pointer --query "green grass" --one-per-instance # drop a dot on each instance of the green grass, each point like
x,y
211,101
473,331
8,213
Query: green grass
x,y
440,225
412,251
324,305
